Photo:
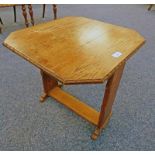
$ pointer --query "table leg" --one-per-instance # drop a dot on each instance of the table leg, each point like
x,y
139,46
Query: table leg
x,y
109,97
31,13
99,119
14,9
44,6
48,84
55,11
25,15
0,26
1,21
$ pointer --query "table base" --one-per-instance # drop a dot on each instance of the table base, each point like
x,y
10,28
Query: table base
x,y
100,119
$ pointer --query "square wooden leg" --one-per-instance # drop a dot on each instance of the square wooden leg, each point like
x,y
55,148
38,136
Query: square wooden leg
x,y
48,84
109,97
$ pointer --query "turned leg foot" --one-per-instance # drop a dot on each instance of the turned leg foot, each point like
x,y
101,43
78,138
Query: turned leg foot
x,y
43,97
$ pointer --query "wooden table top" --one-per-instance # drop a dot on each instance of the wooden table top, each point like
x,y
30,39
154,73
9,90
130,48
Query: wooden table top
x,y
75,49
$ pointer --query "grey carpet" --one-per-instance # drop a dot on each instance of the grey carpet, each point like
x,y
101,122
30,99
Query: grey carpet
x,y
25,124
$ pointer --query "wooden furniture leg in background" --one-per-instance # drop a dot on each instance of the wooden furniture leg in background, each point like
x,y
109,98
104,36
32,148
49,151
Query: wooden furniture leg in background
x,y
44,5
1,21
25,15
109,97
48,84
31,13
14,10
55,11
150,7
0,26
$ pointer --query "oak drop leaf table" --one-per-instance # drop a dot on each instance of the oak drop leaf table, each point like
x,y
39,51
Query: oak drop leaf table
x,y
78,50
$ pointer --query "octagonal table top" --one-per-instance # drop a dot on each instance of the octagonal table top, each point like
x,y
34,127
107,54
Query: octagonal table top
x,y
75,49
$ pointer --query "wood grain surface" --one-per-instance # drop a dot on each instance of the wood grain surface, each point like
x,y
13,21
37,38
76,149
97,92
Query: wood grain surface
x,y
75,49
